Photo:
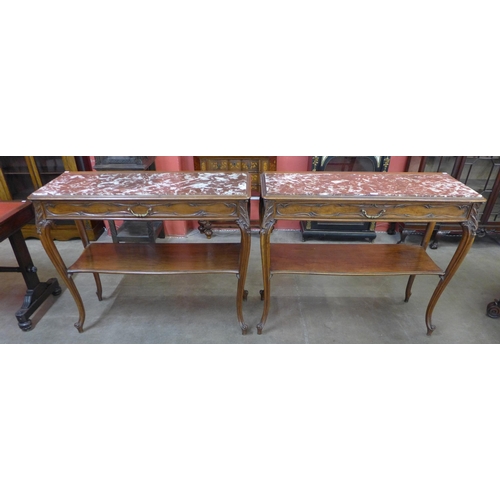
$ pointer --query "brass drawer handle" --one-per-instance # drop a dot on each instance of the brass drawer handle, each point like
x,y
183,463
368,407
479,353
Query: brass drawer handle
x,y
139,215
382,212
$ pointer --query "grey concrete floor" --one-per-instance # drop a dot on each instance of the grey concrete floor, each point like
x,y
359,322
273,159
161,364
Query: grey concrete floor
x,y
304,309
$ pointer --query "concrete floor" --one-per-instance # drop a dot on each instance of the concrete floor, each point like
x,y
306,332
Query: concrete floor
x,y
304,309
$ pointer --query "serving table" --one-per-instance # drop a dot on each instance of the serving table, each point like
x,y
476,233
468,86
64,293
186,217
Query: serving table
x,y
13,216
147,196
364,196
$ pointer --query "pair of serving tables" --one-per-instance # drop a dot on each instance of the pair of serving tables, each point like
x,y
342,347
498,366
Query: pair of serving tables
x,y
225,196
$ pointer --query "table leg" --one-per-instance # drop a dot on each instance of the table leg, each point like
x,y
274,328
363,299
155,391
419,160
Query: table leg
x,y
80,225
268,221
113,231
242,275
425,243
469,234
243,222
265,249
48,244
37,291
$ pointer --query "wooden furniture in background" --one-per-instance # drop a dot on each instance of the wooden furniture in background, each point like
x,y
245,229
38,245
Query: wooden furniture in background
x,y
361,196
81,196
21,175
254,165
14,215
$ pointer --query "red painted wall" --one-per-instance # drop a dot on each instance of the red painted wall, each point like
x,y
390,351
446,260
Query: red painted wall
x,y
398,163
292,163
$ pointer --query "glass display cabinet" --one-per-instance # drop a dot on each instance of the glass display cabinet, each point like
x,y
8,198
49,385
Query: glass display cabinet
x,y
22,175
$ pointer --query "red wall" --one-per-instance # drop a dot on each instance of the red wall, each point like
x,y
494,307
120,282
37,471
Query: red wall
x,y
398,163
292,163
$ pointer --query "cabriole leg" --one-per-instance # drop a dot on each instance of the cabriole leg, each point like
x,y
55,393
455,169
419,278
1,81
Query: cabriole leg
x,y
56,259
469,233
80,225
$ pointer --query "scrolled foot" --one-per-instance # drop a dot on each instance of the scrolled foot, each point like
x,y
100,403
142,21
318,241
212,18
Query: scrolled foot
x,y
79,327
493,309
260,327
205,227
430,330
26,326
244,329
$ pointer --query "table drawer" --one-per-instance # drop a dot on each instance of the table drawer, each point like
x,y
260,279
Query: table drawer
x,y
228,209
395,212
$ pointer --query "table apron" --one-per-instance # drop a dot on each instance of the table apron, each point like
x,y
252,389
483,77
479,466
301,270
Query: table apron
x,y
359,211
132,210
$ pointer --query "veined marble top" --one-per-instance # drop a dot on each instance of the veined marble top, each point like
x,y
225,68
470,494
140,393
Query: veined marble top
x,y
366,184
145,185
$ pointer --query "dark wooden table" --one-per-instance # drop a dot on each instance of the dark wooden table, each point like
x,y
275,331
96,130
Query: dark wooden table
x,y
364,196
147,196
13,216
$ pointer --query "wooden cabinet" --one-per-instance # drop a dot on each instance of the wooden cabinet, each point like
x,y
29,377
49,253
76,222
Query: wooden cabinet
x,y
21,175
481,173
254,165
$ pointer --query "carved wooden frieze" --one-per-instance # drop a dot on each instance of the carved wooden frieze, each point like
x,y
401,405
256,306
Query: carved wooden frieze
x,y
268,216
134,209
243,219
473,223
383,211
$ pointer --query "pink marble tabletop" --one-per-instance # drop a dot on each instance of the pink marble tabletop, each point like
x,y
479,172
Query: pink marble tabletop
x,y
366,184
89,185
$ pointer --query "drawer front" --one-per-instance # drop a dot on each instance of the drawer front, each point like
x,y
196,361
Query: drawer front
x,y
141,210
394,212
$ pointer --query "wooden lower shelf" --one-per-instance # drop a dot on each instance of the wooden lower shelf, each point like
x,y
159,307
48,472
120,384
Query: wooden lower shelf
x,y
158,258
352,260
